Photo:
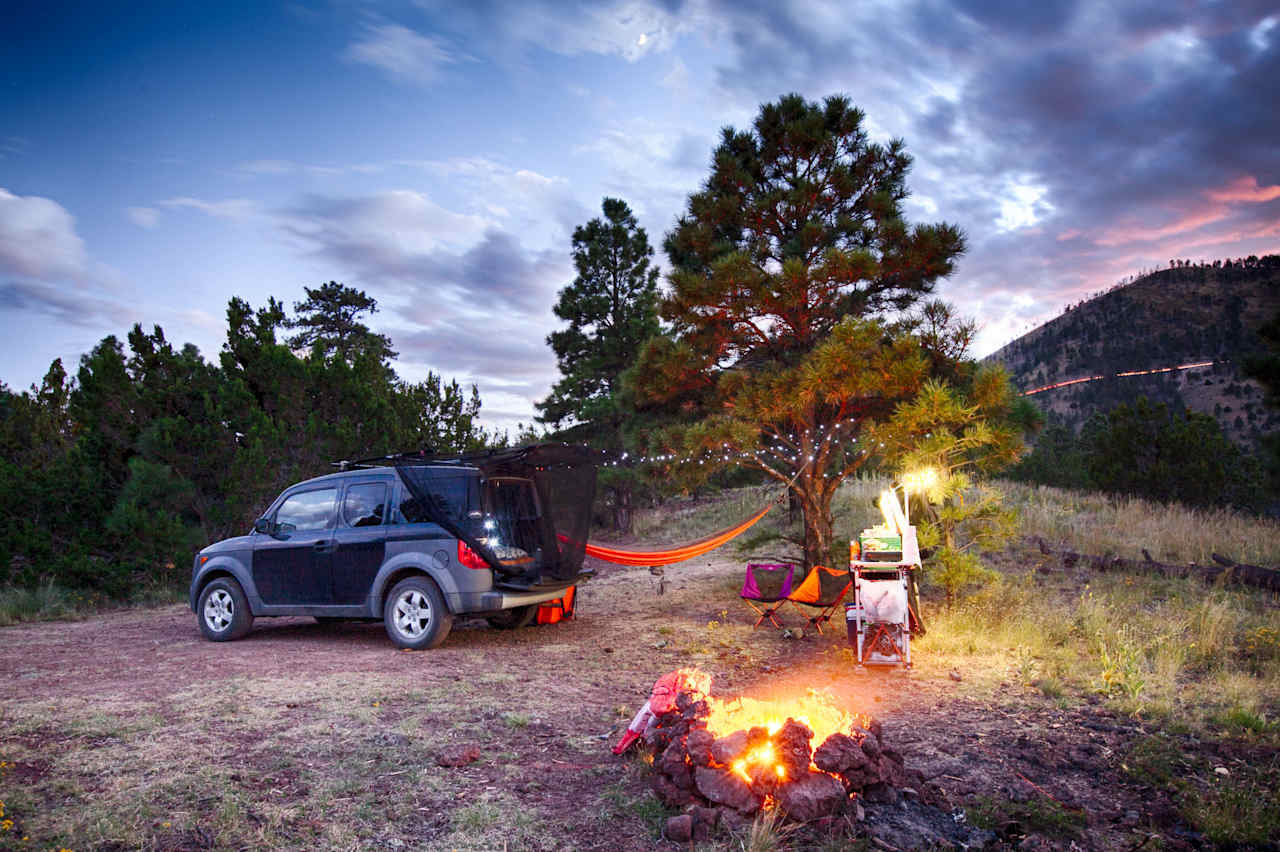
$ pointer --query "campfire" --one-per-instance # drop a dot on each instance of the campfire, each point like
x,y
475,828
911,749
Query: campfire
x,y
726,759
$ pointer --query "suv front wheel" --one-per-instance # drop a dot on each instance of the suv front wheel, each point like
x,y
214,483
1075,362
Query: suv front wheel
x,y
223,611
415,615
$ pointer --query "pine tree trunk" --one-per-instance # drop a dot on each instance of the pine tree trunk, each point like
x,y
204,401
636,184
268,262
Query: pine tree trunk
x,y
815,500
622,510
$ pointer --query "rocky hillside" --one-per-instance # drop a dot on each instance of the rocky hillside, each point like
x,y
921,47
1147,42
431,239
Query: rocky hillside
x,y
1177,316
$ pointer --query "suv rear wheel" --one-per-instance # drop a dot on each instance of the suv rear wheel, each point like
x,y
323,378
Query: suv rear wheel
x,y
415,615
223,611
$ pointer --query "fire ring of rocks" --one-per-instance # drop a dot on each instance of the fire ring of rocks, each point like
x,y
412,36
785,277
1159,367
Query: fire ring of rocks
x,y
726,779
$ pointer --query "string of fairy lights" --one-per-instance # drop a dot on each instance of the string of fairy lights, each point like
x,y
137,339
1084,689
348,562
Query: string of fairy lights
x,y
790,448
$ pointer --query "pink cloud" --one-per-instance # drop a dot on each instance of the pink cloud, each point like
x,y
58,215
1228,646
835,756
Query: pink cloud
x,y
1190,222
1246,189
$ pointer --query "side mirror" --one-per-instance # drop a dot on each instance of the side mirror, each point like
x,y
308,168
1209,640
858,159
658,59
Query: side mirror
x,y
264,526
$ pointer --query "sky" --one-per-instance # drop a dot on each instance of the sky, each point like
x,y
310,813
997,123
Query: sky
x,y
157,159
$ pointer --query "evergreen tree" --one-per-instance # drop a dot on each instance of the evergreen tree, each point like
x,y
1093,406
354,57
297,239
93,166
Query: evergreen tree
x,y
1265,368
1146,450
954,436
1057,459
794,242
611,311
329,325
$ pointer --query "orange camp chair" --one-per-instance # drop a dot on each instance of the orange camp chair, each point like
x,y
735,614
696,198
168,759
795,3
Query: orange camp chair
x,y
769,585
824,589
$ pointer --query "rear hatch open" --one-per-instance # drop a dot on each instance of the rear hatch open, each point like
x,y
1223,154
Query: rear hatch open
x,y
526,511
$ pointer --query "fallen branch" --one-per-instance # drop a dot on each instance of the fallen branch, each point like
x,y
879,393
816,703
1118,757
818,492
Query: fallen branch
x,y
1225,570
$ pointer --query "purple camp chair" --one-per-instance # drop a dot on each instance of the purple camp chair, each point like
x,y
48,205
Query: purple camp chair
x,y
767,585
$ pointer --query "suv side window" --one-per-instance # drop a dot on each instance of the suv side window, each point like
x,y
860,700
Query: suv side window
x,y
308,510
454,493
364,504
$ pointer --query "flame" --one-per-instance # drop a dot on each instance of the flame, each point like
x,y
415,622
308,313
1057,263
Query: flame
x,y
816,710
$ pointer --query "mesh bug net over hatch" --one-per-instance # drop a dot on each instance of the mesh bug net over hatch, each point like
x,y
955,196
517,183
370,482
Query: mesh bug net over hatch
x,y
526,512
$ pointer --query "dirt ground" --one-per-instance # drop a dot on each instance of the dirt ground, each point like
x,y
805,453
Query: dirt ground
x,y
130,731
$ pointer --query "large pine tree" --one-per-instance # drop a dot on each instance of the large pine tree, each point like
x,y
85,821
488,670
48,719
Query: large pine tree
x,y
782,264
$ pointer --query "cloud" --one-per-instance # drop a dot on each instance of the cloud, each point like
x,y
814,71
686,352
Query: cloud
x,y
629,29
1246,189
387,236
677,79
144,217
75,308
236,209
401,52
38,239
268,167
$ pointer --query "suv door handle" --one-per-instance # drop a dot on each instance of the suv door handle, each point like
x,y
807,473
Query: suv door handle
x,y
323,547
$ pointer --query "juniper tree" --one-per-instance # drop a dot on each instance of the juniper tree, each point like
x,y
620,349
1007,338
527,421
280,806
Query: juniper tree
x,y
781,265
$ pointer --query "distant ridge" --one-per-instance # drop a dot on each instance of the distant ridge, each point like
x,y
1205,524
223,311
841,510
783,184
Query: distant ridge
x,y
1183,315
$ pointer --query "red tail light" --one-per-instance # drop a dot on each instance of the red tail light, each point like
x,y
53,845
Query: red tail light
x,y
469,557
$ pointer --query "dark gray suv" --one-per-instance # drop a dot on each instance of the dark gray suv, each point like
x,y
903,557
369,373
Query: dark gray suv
x,y
413,541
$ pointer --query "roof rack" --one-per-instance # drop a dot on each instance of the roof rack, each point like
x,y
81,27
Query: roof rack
x,y
392,458
474,457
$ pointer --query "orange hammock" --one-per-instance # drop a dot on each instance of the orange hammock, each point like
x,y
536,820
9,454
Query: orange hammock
x,y
667,556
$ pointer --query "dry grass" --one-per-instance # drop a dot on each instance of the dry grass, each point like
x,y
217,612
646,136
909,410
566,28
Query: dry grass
x,y
1098,524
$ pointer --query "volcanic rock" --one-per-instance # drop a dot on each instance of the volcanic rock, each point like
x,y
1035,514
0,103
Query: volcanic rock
x,y
704,821
791,745
698,745
729,748
846,757
840,753
871,745
881,794
669,794
680,828
891,771
672,759
764,778
811,796
726,788
726,750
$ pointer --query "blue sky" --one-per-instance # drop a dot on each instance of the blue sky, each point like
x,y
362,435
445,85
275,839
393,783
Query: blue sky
x,y
157,159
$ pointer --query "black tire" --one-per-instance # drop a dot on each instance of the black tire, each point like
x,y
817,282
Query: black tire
x,y
514,618
415,615
223,611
